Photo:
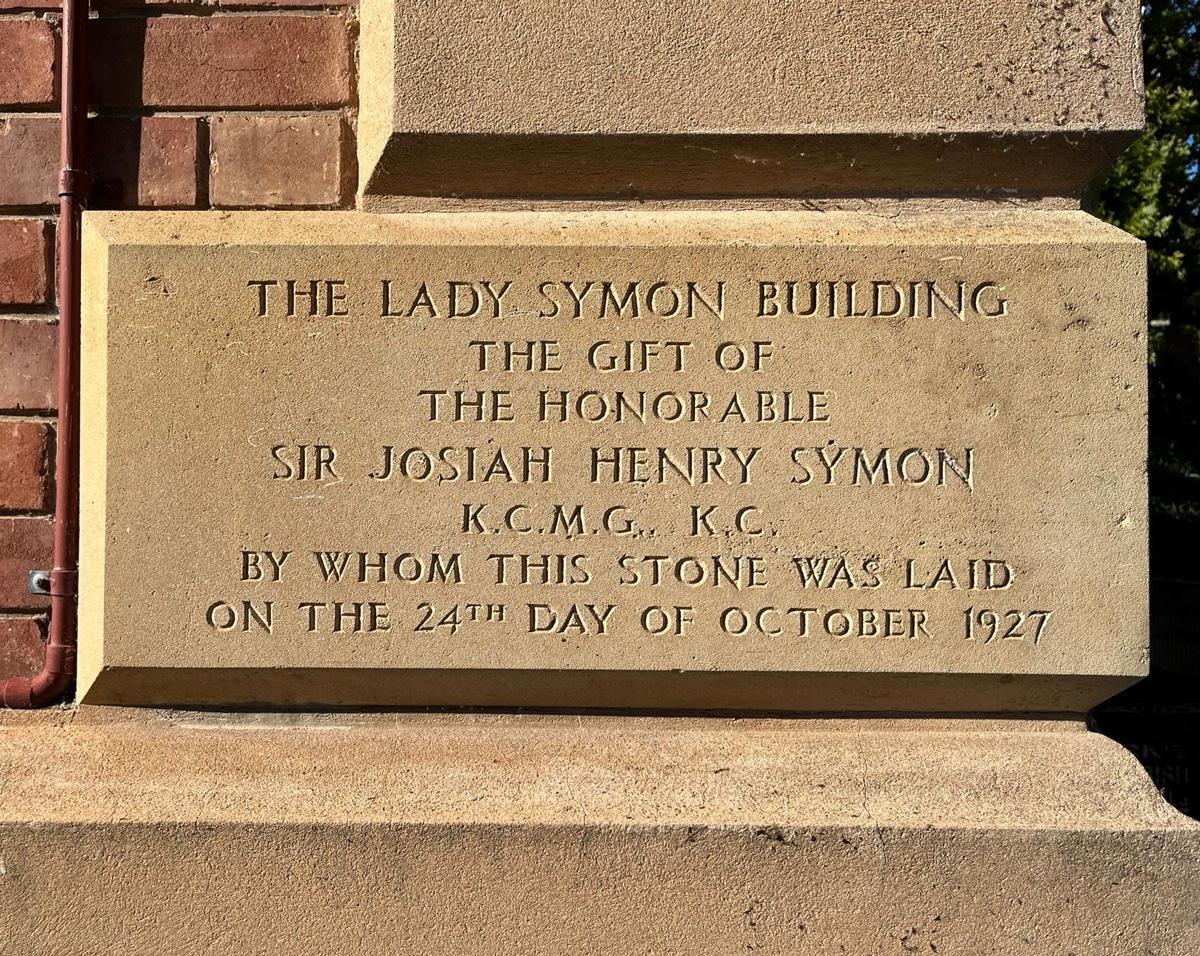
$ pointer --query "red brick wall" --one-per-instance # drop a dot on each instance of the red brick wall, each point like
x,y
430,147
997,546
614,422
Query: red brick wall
x,y
206,104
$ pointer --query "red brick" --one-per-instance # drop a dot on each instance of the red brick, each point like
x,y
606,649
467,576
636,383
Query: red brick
x,y
27,54
28,364
26,544
284,3
162,5
149,161
28,161
22,646
26,261
10,6
277,160
26,465
235,61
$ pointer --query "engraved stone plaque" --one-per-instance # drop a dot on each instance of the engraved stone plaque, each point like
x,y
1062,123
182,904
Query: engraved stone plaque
x,y
787,461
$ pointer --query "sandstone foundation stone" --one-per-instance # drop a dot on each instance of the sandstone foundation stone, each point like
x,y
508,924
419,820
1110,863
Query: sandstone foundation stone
x,y
738,456
797,461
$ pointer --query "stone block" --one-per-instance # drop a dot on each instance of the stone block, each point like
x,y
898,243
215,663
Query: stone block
x,y
27,57
26,465
278,161
26,261
751,461
715,98
178,832
28,364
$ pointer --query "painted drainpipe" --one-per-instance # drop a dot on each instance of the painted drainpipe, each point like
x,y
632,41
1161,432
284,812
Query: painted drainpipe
x,y
59,668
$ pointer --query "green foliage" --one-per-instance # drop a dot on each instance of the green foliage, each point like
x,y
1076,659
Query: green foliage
x,y
1153,191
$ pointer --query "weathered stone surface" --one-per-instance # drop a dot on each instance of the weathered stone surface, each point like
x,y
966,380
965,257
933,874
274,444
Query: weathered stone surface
x,y
903,507
481,835
697,87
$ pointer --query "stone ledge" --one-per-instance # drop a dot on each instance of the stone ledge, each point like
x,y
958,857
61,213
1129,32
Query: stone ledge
x,y
837,167
686,228
742,692
183,833
549,770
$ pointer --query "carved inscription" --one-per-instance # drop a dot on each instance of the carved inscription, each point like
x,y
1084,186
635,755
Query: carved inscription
x,y
606,457
781,461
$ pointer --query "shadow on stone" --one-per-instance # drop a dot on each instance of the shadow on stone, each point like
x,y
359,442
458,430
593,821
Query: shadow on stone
x,y
1158,719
